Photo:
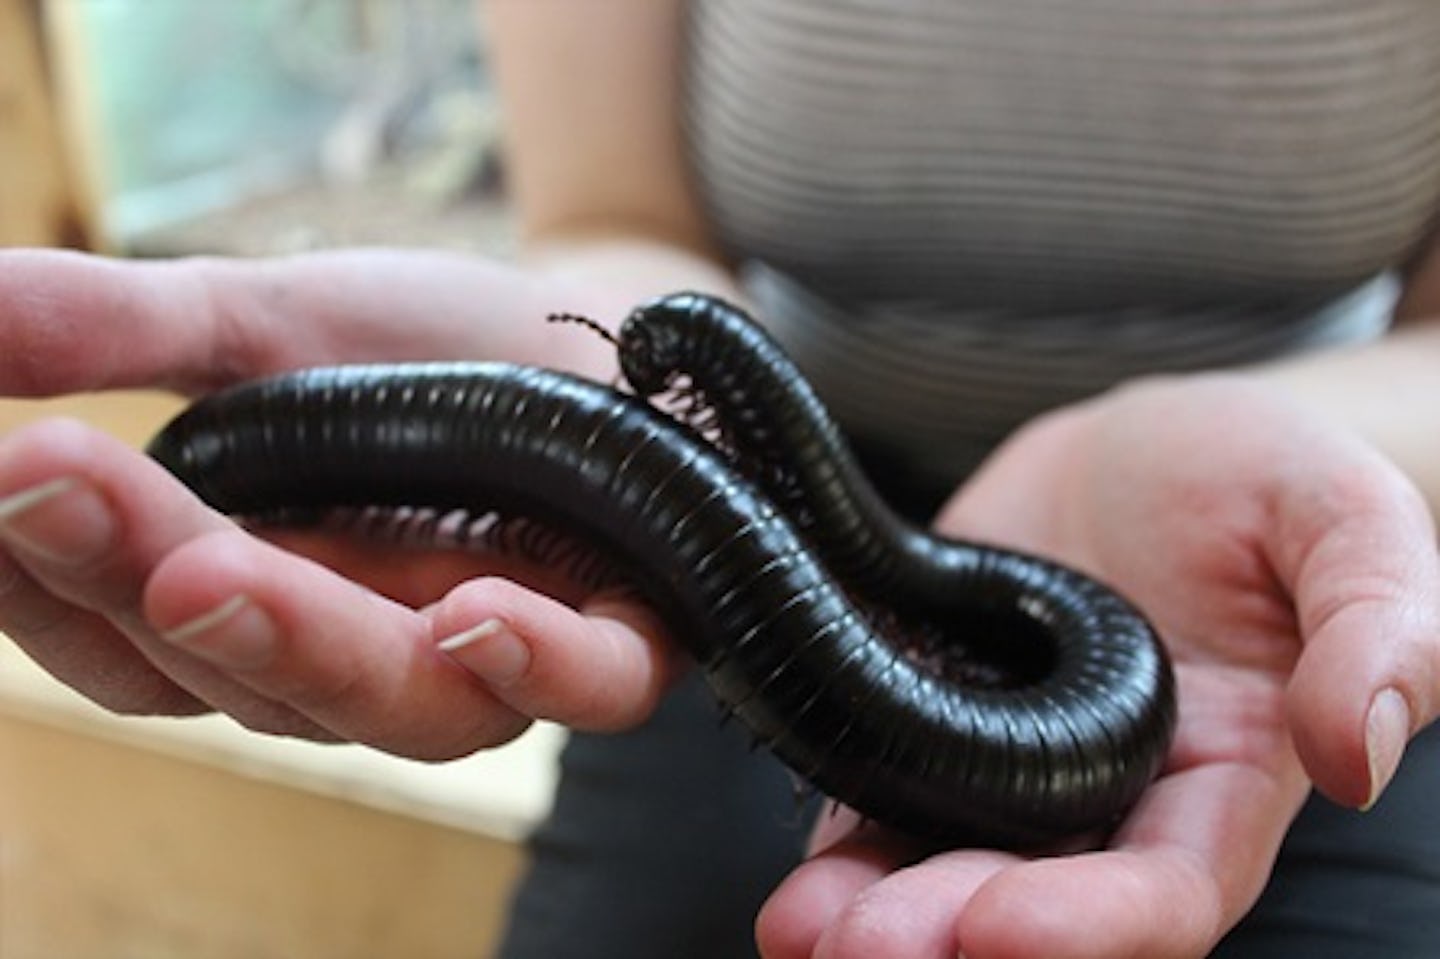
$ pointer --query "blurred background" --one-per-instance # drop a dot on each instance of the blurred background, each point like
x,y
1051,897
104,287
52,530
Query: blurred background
x,y
147,124
169,127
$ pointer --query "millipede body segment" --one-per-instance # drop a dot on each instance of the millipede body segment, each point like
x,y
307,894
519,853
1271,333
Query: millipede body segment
x,y
958,691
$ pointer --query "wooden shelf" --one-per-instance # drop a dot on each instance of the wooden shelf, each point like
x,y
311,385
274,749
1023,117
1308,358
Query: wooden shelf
x,y
500,793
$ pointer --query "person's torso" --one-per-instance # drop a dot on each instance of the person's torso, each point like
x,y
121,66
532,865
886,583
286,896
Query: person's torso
x,y
975,209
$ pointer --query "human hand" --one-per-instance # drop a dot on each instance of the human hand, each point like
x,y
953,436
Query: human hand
x,y
124,586
1293,574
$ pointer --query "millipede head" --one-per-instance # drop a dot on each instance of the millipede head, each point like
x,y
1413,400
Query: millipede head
x,y
654,342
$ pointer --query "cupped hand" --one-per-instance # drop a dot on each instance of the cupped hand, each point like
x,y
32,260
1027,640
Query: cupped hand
x,y
1292,572
124,586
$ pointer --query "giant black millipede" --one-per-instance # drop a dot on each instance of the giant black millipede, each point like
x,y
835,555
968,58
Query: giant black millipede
x,y
959,691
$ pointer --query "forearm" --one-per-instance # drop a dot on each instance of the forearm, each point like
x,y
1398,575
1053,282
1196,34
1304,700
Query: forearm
x,y
596,159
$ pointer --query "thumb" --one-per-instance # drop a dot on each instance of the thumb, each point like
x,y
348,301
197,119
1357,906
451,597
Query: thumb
x,y
1359,557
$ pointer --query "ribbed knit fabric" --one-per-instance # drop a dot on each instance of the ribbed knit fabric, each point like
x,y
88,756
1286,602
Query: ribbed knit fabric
x,y
958,213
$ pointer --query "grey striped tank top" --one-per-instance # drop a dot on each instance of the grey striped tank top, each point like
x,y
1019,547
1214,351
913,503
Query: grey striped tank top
x,y
959,213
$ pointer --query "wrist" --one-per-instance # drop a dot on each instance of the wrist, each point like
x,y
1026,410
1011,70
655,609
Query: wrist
x,y
1386,392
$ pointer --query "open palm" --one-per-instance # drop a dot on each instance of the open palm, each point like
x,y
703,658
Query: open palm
x,y
1292,573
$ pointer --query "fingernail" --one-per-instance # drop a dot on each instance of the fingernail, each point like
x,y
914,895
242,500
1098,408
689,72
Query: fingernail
x,y
491,651
62,521
1387,728
236,634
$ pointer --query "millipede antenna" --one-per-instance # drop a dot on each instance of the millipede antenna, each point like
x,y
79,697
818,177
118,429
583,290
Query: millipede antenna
x,y
586,322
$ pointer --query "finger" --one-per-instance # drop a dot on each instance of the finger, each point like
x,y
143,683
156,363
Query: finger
x,y
72,322
361,666
1190,861
811,898
602,667
855,898
1359,556
1094,907
911,912
85,652
415,572
87,519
